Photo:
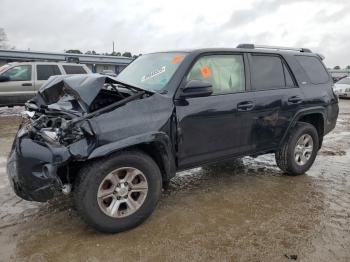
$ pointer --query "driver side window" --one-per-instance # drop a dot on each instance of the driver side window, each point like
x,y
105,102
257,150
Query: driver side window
x,y
19,73
224,72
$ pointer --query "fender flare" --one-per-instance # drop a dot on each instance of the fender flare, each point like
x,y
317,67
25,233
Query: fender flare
x,y
301,113
160,139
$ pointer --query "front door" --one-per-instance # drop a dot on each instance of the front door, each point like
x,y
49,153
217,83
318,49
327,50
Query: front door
x,y
19,87
214,126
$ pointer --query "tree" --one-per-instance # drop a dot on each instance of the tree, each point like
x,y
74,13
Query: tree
x,y
92,52
73,51
127,54
116,53
348,67
136,56
3,39
337,67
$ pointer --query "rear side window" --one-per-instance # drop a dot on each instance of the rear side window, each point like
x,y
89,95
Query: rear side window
x,y
289,79
71,70
45,71
267,72
314,69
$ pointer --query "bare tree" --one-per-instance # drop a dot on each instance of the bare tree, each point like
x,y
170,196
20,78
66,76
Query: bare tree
x,y
3,39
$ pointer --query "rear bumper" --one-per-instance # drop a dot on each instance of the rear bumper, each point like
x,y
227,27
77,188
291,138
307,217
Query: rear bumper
x,y
332,116
32,169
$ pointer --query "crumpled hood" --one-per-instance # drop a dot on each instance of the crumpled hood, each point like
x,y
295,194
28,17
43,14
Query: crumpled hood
x,y
84,88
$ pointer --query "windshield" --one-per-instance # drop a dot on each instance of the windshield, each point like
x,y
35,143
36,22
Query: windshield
x,y
345,81
2,68
152,71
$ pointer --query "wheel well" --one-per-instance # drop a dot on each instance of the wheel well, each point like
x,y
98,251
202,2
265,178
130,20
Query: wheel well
x,y
153,150
317,120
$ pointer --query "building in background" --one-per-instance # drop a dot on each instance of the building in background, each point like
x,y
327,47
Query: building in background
x,y
96,63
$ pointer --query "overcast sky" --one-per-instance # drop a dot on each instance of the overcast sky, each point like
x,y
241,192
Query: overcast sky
x,y
146,26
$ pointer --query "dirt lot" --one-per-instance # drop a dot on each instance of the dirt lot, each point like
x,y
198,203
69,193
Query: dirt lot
x,y
239,211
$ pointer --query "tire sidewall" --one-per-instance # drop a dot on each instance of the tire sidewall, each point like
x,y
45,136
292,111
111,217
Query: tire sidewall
x,y
88,195
301,130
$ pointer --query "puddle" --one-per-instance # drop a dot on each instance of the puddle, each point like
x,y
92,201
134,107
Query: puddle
x,y
240,210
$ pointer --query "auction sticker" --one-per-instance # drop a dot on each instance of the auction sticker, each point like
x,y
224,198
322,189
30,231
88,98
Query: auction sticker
x,y
153,73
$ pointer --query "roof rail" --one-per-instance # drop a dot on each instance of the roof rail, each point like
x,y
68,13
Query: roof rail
x,y
252,46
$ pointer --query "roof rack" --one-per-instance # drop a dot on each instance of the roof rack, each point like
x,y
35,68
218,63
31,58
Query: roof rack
x,y
252,46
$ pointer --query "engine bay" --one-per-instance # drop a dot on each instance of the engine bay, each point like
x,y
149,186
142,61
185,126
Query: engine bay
x,y
59,118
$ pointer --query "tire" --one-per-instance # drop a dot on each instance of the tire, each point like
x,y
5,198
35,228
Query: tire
x,y
288,159
96,179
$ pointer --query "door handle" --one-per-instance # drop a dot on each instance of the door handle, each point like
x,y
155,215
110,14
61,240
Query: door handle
x,y
245,106
27,84
295,99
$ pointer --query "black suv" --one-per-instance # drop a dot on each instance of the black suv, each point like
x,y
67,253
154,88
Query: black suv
x,y
116,141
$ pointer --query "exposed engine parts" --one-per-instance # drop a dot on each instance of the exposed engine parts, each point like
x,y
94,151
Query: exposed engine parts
x,y
63,120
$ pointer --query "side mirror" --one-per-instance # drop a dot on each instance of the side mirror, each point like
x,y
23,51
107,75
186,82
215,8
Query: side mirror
x,y
4,79
196,88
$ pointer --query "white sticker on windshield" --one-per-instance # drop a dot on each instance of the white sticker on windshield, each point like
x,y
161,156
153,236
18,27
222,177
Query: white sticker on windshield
x,y
153,73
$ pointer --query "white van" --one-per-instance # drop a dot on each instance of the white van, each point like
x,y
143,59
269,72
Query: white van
x,y
20,81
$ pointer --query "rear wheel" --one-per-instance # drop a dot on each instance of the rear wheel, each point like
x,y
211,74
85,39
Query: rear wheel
x,y
299,151
118,193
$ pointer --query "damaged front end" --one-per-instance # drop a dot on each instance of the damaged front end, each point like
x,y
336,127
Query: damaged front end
x,y
56,134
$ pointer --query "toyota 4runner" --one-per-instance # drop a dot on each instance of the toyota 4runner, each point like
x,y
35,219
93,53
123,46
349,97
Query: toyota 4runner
x,y
114,142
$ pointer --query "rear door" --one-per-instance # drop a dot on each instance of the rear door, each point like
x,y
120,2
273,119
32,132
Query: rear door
x,y
212,127
276,99
20,86
43,72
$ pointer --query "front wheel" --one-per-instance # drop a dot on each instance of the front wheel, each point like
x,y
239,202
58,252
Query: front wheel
x,y
298,152
118,193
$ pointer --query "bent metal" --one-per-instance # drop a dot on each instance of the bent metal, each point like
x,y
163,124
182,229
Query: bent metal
x,y
115,142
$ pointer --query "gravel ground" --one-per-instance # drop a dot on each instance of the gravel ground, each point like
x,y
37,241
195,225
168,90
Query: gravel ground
x,y
243,210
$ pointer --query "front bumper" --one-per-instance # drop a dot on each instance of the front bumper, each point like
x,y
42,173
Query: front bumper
x,y
32,168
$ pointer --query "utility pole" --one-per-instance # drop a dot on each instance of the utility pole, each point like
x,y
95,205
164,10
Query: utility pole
x,y
113,48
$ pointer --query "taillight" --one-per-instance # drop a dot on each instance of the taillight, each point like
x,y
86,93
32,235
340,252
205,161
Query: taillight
x,y
334,94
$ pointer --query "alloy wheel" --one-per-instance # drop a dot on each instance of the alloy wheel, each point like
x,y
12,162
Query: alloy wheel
x,y
122,192
303,149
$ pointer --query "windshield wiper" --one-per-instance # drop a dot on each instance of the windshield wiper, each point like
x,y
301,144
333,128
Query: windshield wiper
x,y
131,87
